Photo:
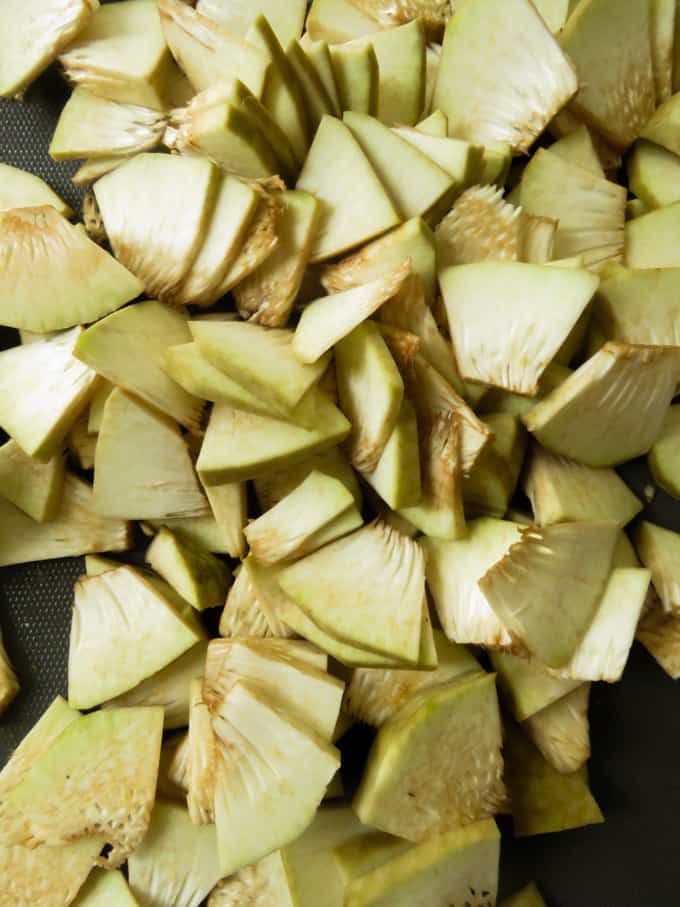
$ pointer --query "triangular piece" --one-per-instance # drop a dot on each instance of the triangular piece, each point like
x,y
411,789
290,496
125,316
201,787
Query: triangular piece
x,y
319,55
361,575
39,248
658,549
401,54
590,210
649,239
21,189
30,485
267,880
354,204
608,44
405,760
240,445
578,148
41,30
105,889
98,778
177,862
664,457
532,77
492,482
460,159
514,298
317,100
278,483
562,731
653,175
436,124
260,240
396,477
561,491
612,408
43,390
526,687
194,573
262,359
260,804
480,226
128,348
237,17
125,628
564,570
77,528
141,203
663,128
337,21
357,75
326,321
159,479
659,633
640,307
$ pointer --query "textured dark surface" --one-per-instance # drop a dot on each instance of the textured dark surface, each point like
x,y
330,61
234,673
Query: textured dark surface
x,y
632,861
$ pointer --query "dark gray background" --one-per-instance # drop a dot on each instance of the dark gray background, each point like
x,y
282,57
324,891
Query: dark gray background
x,y
631,861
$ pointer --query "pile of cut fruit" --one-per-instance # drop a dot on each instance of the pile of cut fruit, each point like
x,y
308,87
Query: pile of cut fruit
x,y
365,307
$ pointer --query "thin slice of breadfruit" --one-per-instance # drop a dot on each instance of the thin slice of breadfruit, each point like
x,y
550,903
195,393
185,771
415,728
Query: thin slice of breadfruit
x,y
639,307
561,731
532,78
460,159
41,31
405,761
278,483
21,189
38,246
579,149
590,210
361,575
338,21
265,880
105,889
262,749
648,239
354,206
526,686
287,22
612,408
396,477
543,800
100,764
76,529
357,75
659,633
242,614
480,226
159,480
564,570
617,94
32,486
143,201
653,175
125,628
663,128
492,481
43,390
663,457
523,341
366,852
658,550
561,491
194,573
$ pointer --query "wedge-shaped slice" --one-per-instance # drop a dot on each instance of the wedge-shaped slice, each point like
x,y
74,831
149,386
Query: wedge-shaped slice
x,y
663,128
128,349
243,615
20,189
9,684
317,100
402,66
240,445
50,876
543,800
195,574
526,686
156,209
265,880
40,248
648,239
366,852
159,480
77,528
532,77
452,865
264,360
232,216
612,408
405,761
105,889
454,569
337,21
269,293
262,750
97,404
304,692
659,633
461,160
81,445
315,513
617,94
261,239
564,570
514,297
229,506
99,765
664,461
653,175
177,862
30,485
361,576
318,54
357,75
41,31
658,550
96,564
237,17
43,390
93,168
480,226
413,240
396,477
208,53
640,306
492,481
269,595
328,320
90,126
428,186
168,688
436,124
529,896
561,731
125,628
278,483
561,491
590,210
373,696
579,149
122,55
354,205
